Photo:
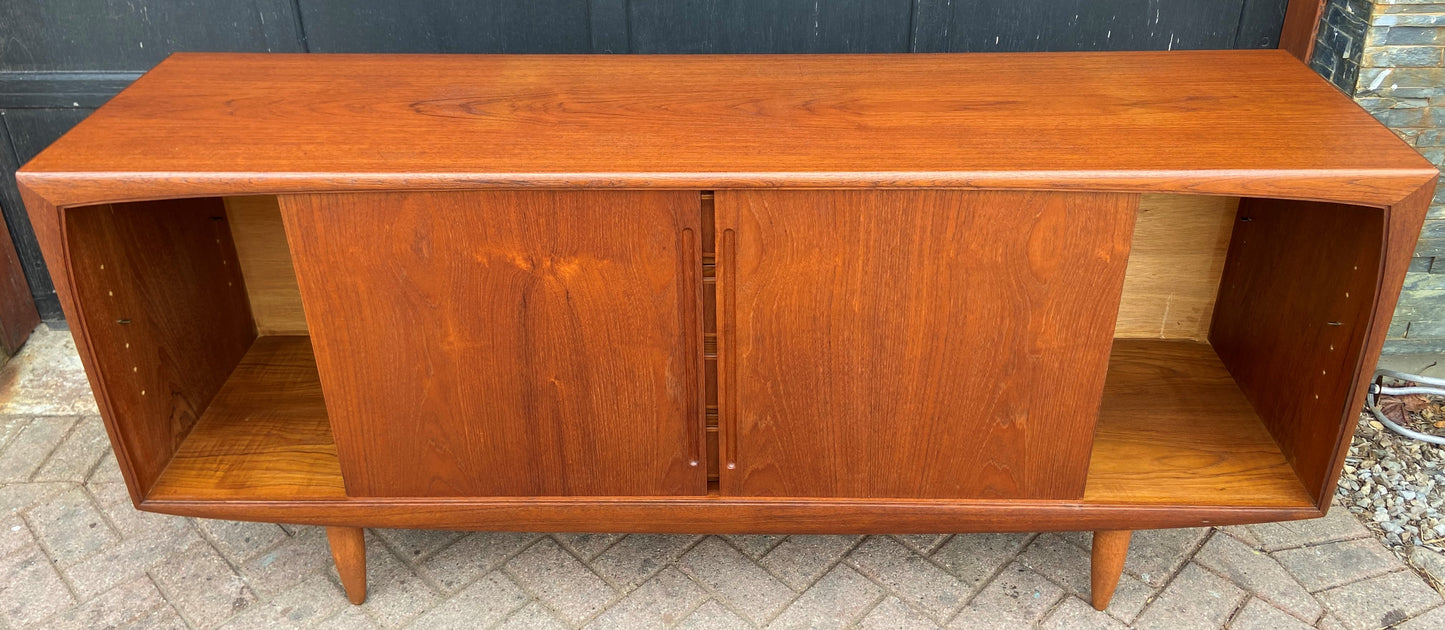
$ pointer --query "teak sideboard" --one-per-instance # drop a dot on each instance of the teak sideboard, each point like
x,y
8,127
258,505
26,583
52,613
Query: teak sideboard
x,y
715,294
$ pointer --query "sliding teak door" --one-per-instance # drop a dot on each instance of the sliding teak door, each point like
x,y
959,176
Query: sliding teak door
x,y
507,343
914,343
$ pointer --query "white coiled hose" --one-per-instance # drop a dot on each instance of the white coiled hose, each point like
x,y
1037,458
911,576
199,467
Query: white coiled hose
x,y
1422,385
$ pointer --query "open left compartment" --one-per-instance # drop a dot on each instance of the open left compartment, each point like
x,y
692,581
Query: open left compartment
x,y
201,355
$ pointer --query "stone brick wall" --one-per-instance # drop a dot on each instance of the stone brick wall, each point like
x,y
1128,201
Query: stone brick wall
x,y
1390,55
1339,42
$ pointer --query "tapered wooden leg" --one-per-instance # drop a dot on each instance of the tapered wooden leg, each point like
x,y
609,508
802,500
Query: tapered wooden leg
x,y
348,549
1107,563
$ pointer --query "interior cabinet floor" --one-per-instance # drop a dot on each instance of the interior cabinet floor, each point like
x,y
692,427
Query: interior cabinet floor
x,y
265,436
1173,429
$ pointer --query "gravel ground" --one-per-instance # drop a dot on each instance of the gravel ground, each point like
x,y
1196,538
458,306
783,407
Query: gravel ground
x,y
1396,485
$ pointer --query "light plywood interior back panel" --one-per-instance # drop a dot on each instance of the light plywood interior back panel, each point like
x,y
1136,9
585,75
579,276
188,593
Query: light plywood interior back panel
x,y
266,265
1169,287
1174,268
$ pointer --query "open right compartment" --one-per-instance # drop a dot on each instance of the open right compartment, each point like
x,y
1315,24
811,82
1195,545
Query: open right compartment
x,y
1248,404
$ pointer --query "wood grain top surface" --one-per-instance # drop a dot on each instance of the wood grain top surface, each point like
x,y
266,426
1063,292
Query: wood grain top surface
x,y
1218,122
